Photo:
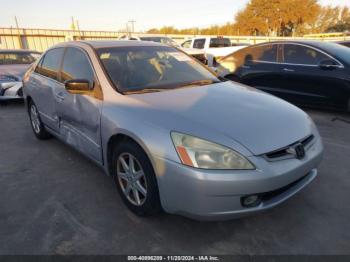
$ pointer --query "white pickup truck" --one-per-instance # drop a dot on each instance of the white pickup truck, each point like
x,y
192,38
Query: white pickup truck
x,y
214,47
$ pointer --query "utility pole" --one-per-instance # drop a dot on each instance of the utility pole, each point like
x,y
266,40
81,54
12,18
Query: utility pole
x,y
77,22
72,26
132,22
127,29
19,34
16,21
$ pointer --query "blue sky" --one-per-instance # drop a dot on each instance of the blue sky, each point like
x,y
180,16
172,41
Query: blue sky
x,y
113,14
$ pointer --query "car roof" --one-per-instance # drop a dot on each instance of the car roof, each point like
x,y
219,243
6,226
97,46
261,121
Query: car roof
x,y
312,43
96,44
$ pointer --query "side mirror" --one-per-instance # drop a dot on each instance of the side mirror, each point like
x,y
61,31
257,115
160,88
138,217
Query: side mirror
x,y
77,86
328,64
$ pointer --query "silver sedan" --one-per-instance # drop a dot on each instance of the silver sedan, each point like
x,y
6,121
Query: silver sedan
x,y
174,136
13,65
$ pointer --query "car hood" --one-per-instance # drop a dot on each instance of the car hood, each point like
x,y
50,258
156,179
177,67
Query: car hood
x,y
260,122
14,70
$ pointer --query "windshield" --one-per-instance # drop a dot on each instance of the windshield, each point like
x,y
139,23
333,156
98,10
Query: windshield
x,y
15,58
153,68
340,51
219,42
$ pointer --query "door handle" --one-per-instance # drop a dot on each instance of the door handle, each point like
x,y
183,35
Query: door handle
x,y
288,70
245,66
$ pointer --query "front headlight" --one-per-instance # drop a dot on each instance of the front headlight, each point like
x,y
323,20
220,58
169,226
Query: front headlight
x,y
200,153
7,81
7,85
8,78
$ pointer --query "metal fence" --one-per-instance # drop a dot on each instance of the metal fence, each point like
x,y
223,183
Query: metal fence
x,y
41,39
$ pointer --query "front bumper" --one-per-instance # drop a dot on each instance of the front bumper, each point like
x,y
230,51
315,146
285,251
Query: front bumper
x,y
11,90
216,194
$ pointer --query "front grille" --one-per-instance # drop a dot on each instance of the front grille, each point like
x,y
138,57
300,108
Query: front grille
x,y
283,152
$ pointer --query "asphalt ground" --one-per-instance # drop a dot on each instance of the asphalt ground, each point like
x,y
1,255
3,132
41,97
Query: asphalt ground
x,y
55,201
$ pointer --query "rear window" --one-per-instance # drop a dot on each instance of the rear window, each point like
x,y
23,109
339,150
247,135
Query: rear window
x,y
263,53
162,40
219,42
18,58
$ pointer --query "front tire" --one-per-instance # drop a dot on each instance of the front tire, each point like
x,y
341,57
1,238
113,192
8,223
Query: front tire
x,y
36,123
135,179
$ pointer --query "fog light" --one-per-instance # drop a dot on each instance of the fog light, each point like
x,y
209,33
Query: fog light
x,y
251,201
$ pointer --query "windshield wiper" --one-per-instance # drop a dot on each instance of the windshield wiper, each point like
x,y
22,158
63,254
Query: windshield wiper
x,y
189,84
199,83
143,91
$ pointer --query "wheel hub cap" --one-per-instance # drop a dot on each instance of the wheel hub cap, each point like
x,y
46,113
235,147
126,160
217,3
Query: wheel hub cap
x,y
132,179
34,116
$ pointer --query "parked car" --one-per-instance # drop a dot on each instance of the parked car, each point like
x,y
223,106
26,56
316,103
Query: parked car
x,y
344,43
213,47
308,73
196,53
172,134
13,65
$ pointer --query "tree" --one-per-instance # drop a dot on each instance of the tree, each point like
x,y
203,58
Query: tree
x,y
343,22
276,17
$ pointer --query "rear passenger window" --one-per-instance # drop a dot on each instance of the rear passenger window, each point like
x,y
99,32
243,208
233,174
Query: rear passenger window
x,y
50,65
303,55
264,53
199,43
76,66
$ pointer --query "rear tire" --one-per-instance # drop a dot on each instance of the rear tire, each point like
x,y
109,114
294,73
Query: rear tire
x,y
36,123
136,182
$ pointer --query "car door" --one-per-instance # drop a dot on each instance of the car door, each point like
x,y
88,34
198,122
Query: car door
x,y
79,114
306,82
43,82
258,66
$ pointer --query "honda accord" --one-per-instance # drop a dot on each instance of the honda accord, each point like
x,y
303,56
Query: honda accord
x,y
173,135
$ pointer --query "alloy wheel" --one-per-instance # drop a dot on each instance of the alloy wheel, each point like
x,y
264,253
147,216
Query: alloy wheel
x,y
34,117
131,178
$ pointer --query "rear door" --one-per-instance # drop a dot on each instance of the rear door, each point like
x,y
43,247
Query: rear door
x,y
43,83
79,114
305,82
260,68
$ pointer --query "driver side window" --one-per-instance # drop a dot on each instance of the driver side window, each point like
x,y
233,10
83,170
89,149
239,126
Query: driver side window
x,y
76,66
187,44
303,55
